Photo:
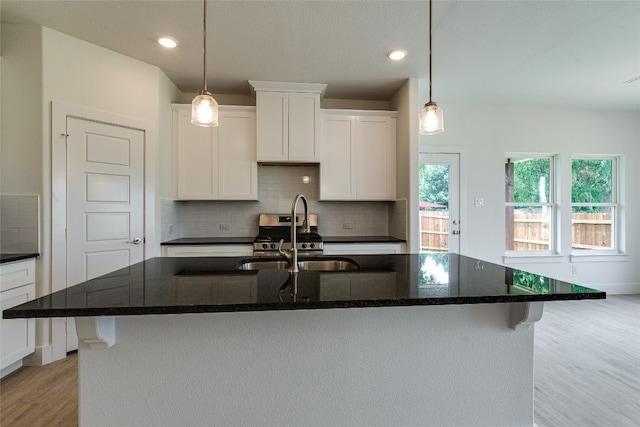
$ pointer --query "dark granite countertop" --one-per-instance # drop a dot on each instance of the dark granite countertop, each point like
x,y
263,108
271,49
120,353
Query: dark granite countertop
x,y
17,257
249,240
204,285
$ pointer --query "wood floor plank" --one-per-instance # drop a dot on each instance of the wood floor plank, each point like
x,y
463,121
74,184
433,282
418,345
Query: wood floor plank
x,y
45,395
587,363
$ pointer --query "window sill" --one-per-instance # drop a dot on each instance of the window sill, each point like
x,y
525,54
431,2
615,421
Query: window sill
x,y
599,257
529,258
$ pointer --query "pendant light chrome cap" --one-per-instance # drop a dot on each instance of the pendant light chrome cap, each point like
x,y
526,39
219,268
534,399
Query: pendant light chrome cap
x,y
204,110
431,119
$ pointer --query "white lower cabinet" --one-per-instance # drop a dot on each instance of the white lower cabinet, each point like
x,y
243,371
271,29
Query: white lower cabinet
x,y
363,248
358,156
207,250
17,336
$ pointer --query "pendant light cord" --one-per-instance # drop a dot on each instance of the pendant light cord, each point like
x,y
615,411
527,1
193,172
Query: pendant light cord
x,y
204,50
430,35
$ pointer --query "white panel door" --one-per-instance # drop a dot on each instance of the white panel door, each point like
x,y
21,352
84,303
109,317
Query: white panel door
x,y
105,198
105,201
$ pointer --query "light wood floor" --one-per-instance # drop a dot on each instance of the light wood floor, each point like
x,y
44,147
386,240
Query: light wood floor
x,y
41,396
587,372
587,363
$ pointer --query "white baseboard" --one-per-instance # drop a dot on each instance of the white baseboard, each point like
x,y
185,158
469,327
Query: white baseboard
x,y
617,288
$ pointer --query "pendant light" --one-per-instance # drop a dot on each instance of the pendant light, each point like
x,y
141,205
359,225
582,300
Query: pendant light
x,y
204,109
431,117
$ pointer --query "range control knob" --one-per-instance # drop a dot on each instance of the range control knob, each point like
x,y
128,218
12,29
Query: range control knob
x,y
265,246
304,246
273,246
312,245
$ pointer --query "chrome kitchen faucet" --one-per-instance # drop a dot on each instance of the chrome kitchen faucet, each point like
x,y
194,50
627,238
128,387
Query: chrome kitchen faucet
x,y
291,256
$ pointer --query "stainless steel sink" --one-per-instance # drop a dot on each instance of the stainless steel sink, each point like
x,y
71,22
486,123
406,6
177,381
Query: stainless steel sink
x,y
321,264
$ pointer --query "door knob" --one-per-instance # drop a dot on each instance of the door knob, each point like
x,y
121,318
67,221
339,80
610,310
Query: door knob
x,y
135,241
455,232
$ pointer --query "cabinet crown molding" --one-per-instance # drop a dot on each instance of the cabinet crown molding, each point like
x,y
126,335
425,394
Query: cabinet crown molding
x,y
291,87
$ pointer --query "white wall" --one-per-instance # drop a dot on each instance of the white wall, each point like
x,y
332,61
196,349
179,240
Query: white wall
x,y
406,166
484,133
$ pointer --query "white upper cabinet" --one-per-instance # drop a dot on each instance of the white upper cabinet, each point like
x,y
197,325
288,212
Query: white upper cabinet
x,y
216,163
358,160
288,121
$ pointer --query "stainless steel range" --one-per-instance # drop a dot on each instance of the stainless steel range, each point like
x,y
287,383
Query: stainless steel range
x,y
275,227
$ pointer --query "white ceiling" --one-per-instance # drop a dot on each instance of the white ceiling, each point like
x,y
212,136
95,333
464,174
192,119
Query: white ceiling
x,y
575,54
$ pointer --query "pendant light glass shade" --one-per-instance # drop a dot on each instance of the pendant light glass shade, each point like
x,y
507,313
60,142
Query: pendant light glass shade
x,y
431,116
431,119
204,109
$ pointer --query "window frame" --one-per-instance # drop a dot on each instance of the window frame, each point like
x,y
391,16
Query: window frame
x,y
616,214
551,204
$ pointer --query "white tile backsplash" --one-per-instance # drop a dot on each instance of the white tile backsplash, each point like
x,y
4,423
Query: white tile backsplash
x,y
277,186
19,222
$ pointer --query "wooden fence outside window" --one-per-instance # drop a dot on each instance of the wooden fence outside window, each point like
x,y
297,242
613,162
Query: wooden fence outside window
x,y
531,231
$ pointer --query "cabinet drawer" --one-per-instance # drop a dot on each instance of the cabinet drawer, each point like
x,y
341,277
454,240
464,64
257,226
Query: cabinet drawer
x,y
18,335
16,274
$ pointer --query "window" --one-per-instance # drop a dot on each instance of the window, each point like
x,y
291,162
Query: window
x,y
594,203
530,203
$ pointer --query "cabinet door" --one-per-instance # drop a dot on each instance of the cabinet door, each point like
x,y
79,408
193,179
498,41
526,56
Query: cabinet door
x,y
196,154
272,126
304,127
18,335
238,168
337,174
376,154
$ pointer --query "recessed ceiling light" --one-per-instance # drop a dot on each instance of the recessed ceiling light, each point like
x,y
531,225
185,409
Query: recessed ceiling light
x,y
397,55
167,42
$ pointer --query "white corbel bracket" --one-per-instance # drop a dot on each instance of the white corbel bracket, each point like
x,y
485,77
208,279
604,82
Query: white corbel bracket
x,y
524,314
96,333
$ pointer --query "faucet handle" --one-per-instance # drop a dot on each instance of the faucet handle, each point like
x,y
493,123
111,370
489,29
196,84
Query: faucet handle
x,y
286,255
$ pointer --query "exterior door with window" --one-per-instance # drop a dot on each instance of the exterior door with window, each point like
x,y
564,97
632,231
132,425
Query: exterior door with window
x,y
439,185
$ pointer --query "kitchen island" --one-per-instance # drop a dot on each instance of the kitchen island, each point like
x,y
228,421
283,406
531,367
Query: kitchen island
x,y
436,339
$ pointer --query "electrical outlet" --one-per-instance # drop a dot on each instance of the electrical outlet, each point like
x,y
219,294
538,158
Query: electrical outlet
x,y
574,269
347,225
170,228
225,227
479,202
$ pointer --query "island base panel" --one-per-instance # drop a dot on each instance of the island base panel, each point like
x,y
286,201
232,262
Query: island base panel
x,y
420,365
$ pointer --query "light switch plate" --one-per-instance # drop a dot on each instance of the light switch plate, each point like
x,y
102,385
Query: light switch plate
x,y
479,202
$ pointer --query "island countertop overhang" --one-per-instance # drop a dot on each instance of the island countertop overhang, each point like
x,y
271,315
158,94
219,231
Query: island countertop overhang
x,y
215,284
